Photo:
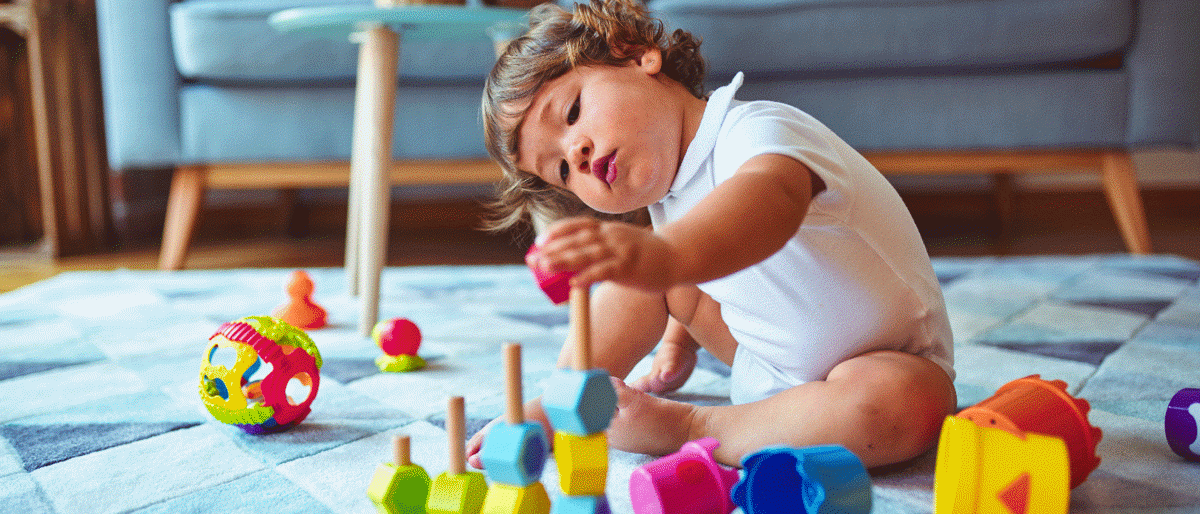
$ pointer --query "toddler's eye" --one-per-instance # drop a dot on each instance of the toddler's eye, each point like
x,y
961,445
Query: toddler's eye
x,y
564,171
573,114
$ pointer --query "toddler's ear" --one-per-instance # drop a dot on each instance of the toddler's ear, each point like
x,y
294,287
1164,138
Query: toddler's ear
x,y
650,60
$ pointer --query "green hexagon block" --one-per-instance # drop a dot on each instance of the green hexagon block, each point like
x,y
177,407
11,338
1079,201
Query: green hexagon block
x,y
579,402
399,489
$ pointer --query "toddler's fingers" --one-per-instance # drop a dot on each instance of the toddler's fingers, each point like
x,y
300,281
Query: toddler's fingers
x,y
595,273
565,227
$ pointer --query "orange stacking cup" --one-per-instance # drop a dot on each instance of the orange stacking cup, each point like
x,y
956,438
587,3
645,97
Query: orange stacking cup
x,y
1039,406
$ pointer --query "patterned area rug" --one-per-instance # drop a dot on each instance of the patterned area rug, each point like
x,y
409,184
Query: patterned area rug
x,y
101,412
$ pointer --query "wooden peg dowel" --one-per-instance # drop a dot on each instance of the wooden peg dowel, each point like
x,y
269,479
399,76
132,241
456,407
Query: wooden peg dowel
x,y
512,372
401,446
456,433
581,327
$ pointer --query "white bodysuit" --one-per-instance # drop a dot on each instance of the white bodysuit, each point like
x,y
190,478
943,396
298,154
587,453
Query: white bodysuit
x,y
854,278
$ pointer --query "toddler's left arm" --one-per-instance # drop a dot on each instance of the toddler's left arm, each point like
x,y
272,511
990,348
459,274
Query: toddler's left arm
x,y
743,221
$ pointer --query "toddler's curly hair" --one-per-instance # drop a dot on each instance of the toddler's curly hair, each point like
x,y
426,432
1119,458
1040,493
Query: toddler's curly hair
x,y
604,32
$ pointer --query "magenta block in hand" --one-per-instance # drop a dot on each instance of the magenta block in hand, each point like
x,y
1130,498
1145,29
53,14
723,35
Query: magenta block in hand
x,y
557,286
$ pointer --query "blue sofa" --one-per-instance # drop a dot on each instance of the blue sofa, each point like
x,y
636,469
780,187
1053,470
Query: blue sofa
x,y
208,89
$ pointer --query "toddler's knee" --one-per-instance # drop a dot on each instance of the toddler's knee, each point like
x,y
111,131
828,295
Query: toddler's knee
x,y
901,416
683,302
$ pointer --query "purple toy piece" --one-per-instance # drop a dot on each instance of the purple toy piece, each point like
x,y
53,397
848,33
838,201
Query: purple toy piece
x,y
557,286
686,482
1183,416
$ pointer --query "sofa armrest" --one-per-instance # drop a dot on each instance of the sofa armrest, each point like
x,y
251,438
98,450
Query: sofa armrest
x,y
140,83
1164,75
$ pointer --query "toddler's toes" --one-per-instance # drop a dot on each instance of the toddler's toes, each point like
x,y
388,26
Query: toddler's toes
x,y
647,384
475,445
625,394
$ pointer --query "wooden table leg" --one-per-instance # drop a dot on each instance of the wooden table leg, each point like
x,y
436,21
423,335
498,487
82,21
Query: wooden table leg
x,y
353,197
371,159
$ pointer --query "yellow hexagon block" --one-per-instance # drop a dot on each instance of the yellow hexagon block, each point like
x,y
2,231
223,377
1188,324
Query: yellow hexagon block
x,y
582,463
513,499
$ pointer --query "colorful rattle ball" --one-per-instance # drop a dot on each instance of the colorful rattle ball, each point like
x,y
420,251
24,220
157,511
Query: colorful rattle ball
x,y
234,395
399,338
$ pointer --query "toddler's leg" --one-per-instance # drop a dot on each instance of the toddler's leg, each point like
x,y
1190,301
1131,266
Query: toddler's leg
x,y
626,325
884,406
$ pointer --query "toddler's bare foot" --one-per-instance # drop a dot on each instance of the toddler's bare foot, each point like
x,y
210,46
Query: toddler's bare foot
x,y
648,424
671,368
475,444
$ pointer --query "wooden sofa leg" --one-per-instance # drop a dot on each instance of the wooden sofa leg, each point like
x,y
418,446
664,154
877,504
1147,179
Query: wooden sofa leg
x,y
183,206
1125,200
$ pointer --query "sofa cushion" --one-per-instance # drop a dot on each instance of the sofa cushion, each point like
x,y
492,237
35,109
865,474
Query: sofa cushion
x,y
231,41
230,123
842,36
981,111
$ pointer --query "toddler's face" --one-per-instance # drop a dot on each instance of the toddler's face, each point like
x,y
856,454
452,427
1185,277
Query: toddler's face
x,y
610,135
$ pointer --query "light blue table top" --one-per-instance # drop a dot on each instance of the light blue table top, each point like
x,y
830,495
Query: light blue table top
x,y
413,22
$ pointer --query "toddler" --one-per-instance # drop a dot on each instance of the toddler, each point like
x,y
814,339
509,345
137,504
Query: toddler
x,y
774,245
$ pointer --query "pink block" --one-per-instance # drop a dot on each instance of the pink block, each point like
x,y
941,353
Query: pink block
x,y
688,481
557,286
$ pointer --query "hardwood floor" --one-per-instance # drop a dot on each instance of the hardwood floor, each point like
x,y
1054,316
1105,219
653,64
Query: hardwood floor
x,y
444,233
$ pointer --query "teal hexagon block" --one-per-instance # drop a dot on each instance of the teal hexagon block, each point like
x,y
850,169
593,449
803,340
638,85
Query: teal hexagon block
x,y
515,454
579,403
580,505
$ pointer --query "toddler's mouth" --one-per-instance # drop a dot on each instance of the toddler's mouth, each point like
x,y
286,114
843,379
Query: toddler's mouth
x,y
605,168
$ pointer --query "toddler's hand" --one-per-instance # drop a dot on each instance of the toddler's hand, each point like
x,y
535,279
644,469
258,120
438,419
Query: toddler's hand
x,y
670,369
597,251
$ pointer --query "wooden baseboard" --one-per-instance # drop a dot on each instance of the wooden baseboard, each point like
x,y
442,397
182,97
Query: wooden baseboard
x,y
937,211
329,219
337,174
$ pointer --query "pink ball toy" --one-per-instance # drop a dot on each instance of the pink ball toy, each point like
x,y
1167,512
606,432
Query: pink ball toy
x,y
397,336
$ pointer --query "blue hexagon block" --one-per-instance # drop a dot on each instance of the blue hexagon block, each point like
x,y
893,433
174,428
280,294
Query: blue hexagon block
x,y
580,505
515,454
579,403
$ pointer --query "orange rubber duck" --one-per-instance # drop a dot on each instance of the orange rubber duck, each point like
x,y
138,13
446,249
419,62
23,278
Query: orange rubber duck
x,y
300,311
